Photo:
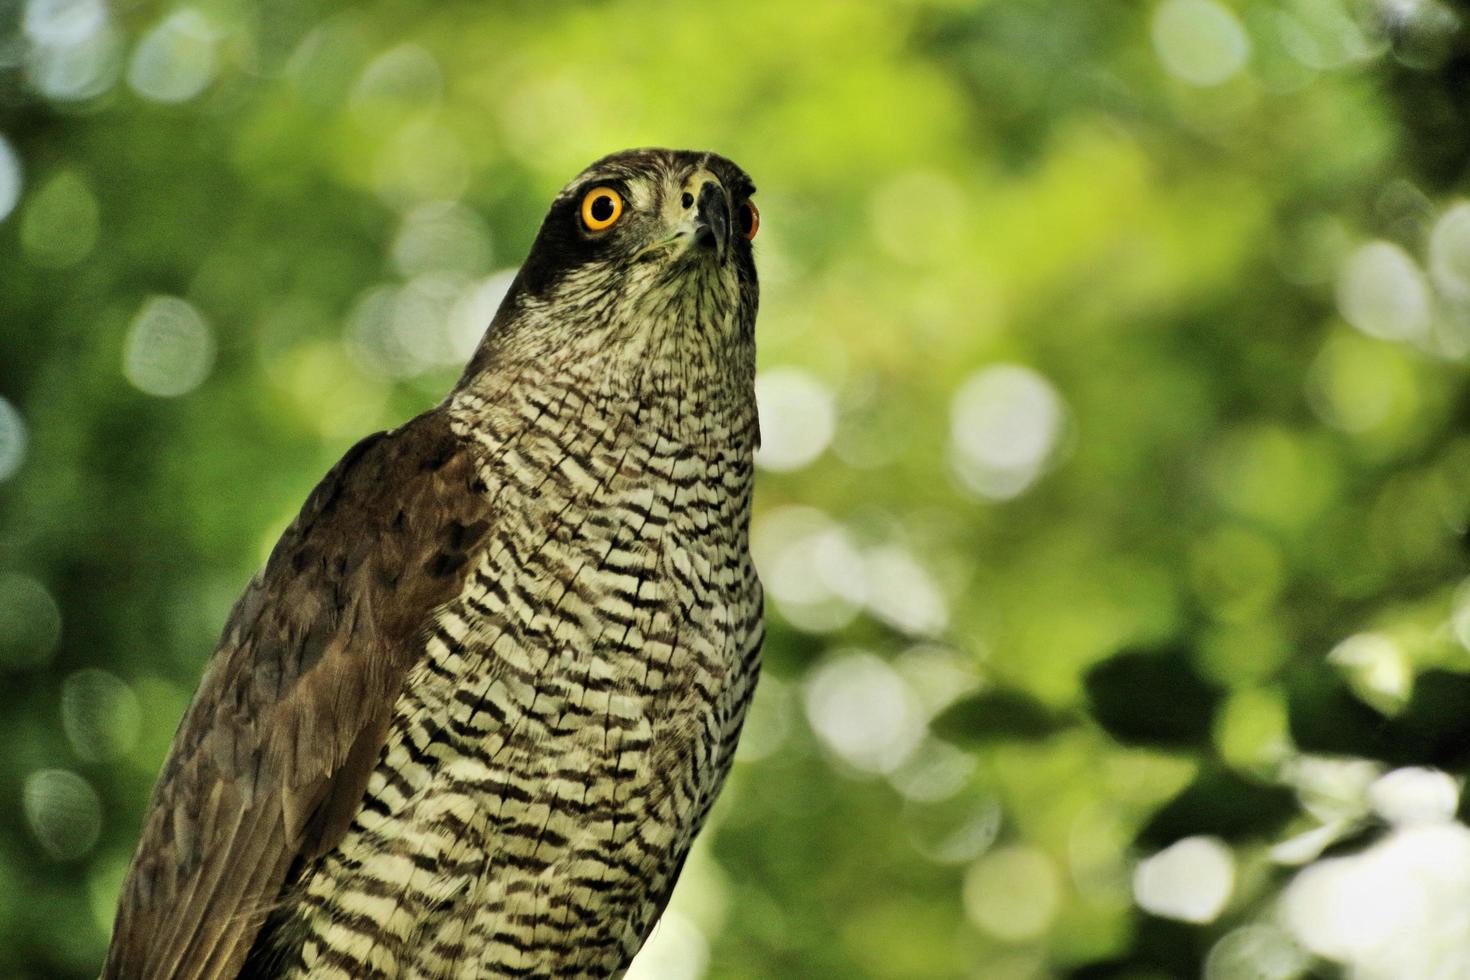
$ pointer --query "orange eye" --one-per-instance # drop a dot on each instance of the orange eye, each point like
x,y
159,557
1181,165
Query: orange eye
x,y
750,220
601,208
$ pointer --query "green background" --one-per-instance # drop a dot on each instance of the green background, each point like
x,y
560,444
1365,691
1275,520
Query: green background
x,y
1114,384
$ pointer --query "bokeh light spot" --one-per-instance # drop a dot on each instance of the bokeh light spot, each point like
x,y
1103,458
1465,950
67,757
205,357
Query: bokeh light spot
x,y
175,61
442,236
1399,909
863,712
903,594
939,675
372,337
169,349
1414,795
798,415
63,812
1361,385
10,179
1449,251
30,623
74,51
1005,424
62,21
1382,292
953,830
1306,847
59,224
13,440
397,332
402,79
1331,789
328,60
1377,668
936,771
1190,880
1421,32
811,566
1199,41
473,311
1324,35
100,715
1013,892
1260,951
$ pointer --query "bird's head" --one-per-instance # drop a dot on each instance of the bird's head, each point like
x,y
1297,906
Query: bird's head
x,y
645,255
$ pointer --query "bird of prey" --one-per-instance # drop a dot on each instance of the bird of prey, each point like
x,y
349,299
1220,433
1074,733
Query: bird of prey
x,y
469,717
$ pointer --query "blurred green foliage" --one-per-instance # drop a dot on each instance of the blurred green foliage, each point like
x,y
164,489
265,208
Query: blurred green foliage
x,y
1114,385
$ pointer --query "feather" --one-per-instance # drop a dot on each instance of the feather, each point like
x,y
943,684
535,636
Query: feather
x,y
272,757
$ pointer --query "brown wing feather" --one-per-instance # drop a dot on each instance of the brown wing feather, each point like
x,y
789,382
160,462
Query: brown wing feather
x,y
273,755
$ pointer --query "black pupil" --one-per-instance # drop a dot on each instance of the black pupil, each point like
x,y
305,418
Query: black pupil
x,y
602,207
747,219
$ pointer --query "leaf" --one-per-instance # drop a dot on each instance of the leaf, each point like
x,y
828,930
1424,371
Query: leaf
x,y
998,714
1147,697
1433,728
1325,716
1221,802
1438,718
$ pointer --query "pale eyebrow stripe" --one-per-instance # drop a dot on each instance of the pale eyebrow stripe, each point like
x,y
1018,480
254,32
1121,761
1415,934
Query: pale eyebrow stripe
x,y
643,195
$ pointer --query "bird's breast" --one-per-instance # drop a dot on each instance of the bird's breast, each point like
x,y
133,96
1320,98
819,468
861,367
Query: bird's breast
x,y
575,707
613,589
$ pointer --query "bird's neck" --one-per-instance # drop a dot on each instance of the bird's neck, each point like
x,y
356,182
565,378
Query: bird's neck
x,y
704,409
667,377
570,441
667,391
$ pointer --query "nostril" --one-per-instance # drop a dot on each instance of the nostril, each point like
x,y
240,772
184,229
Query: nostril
x,y
688,200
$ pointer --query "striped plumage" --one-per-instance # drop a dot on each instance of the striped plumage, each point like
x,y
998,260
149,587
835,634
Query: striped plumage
x,y
469,718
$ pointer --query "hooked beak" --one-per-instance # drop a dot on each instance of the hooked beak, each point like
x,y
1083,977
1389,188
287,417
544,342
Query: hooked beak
x,y
705,227
712,219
